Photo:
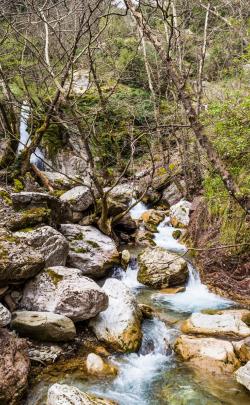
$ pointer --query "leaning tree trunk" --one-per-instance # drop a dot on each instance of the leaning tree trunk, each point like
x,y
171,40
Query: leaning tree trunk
x,y
174,74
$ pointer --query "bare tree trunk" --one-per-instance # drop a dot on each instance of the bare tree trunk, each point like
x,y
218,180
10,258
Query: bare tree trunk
x,y
173,73
202,61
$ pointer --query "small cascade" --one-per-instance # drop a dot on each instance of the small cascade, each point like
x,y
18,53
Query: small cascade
x,y
164,237
138,209
37,157
138,370
195,298
129,277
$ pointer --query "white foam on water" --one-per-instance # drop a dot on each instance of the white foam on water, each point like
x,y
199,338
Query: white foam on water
x,y
164,237
37,157
129,277
138,370
138,209
195,298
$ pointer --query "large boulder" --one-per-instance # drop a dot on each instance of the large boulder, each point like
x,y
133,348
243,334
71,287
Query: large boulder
x,y
59,180
64,291
62,394
120,325
49,242
179,214
14,368
79,198
242,349
210,354
90,250
5,316
19,261
228,323
121,193
243,375
159,268
45,326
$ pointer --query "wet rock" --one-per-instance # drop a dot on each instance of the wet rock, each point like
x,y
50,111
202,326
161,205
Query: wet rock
x,y
90,250
45,326
242,349
44,353
19,261
172,290
125,257
152,218
243,375
210,354
171,195
49,242
64,291
177,234
144,238
95,365
5,316
79,198
159,268
225,324
120,325
62,394
126,224
179,214
14,368
147,311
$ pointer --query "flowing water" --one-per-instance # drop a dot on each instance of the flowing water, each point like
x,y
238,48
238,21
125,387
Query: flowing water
x,y
36,157
154,375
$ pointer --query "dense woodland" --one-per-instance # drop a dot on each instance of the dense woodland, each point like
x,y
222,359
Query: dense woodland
x,y
147,95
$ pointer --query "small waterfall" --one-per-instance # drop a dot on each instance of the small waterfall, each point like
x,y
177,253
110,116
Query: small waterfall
x,y
129,277
37,157
138,209
138,370
164,237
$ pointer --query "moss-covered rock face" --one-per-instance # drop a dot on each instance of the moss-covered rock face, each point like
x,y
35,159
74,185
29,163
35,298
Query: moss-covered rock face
x,y
19,261
159,268
120,325
90,251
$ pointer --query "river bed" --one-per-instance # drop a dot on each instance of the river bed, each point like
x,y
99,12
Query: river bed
x,y
155,375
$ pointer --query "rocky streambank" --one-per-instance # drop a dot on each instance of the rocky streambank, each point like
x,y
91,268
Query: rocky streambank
x,y
72,304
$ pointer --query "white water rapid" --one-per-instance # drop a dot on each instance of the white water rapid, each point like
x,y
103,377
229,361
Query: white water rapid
x,y
37,157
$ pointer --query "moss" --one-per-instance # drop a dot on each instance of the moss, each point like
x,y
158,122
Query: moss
x,y
176,234
6,197
79,236
93,244
57,193
33,216
55,277
81,250
18,186
27,229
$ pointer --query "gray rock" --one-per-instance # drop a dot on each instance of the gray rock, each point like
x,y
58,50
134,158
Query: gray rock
x,y
62,394
79,198
243,375
90,250
49,242
59,180
171,195
179,214
120,325
159,268
45,326
121,193
5,316
64,291
19,261
26,199
44,353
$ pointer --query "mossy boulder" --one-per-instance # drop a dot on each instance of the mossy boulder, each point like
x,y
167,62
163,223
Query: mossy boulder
x,y
159,268
91,251
152,219
19,261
